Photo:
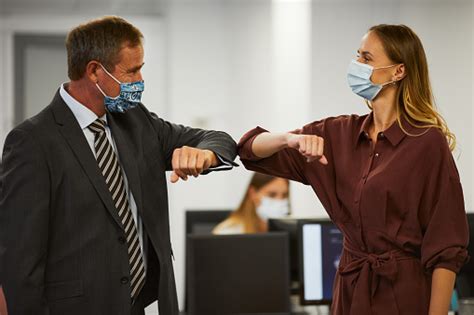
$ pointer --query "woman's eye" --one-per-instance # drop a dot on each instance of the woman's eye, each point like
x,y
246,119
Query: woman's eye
x,y
364,59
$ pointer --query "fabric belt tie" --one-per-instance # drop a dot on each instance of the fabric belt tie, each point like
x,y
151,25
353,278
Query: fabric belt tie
x,y
366,270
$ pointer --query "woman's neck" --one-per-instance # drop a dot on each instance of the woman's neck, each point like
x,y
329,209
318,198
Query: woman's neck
x,y
384,110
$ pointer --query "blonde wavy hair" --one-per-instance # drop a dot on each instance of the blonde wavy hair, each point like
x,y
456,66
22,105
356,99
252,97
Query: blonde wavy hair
x,y
415,98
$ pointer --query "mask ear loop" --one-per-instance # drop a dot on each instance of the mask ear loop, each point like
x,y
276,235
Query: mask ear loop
x,y
110,75
389,82
105,95
101,91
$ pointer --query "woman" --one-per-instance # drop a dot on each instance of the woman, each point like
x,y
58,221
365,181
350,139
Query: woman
x,y
387,179
266,197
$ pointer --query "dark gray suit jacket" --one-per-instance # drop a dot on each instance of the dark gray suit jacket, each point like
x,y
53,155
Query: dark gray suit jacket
x,y
62,247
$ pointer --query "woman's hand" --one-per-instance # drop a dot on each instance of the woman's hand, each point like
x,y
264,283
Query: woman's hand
x,y
310,146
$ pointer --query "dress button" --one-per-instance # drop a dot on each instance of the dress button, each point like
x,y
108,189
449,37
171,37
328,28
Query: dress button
x,y
122,240
357,201
377,155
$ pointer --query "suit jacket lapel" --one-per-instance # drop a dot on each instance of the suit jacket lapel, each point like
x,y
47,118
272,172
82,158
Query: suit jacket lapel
x,y
125,148
71,131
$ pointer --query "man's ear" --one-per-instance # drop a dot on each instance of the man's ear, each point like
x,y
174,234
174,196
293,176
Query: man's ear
x,y
91,70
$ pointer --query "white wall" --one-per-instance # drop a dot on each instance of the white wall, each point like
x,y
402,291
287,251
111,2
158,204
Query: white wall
x,y
219,74
227,65
153,29
446,30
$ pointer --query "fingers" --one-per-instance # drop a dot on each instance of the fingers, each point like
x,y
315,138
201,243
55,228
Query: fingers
x,y
311,147
178,159
201,164
323,160
187,161
174,177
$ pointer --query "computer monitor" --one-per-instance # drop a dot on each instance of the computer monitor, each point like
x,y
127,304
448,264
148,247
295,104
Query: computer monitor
x,y
204,221
290,227
320,248
465,278
237,274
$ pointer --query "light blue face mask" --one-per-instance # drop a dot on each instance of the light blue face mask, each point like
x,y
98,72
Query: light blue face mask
x,y
129,97
358,77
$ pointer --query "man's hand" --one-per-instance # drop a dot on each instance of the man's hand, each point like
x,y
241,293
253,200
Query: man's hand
x,y
310,146
189,161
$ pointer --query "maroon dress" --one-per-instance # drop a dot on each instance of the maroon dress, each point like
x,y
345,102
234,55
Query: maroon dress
x,y
399,205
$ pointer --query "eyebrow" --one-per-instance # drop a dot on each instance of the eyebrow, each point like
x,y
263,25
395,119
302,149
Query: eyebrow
x,y
135,69
364,53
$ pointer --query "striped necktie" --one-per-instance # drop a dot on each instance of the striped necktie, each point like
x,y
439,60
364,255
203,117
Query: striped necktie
x,y
111,170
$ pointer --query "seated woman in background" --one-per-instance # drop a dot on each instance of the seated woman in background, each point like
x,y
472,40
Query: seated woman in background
x,y
266,197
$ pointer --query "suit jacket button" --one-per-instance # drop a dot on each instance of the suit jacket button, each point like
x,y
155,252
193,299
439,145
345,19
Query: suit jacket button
x,y
122,240
124,280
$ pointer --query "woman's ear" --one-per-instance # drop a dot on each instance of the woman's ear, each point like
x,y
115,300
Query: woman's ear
x,y
399,72
252,192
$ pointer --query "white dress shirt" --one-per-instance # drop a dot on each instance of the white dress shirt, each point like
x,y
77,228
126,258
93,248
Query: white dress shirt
x,y
85,117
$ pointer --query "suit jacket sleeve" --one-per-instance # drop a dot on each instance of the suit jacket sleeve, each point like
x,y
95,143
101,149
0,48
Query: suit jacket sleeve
x,y
24,218
173,136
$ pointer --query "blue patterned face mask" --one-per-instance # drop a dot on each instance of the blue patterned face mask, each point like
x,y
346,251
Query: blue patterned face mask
x,y
358,77
129,97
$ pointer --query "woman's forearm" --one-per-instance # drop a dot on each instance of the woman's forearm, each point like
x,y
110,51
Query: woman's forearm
x,y
310,146
267,144
442,284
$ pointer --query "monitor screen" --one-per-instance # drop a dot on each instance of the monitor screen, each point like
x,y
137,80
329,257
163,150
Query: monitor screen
x,y
320,252
204,221
237,274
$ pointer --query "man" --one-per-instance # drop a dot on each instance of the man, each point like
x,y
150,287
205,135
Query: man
x,y
84,222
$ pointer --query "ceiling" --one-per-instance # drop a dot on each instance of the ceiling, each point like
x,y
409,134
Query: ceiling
x,y
62,7
154,7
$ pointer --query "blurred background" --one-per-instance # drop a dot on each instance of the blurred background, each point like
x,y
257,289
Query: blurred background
x,y
235,64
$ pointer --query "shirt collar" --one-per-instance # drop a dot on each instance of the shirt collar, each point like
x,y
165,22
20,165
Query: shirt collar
x,y
394,133
84,115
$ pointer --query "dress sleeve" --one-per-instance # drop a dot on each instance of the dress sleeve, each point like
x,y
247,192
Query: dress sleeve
x,y
287,163
443,216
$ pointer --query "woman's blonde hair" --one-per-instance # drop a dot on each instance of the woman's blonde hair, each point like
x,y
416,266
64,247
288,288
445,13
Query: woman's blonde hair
x,y
415,98
246,213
